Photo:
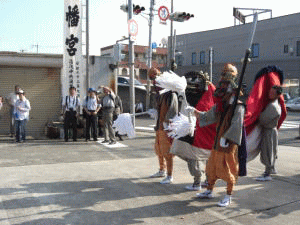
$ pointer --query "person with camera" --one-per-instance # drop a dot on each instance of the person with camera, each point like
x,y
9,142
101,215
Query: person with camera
x,y
71,110
91,108
108,106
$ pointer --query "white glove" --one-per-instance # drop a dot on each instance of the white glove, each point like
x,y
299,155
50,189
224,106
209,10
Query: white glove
x,y
190,109
224,142
166,126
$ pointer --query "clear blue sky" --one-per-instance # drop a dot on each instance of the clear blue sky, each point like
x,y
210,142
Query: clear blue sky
x,y
25,23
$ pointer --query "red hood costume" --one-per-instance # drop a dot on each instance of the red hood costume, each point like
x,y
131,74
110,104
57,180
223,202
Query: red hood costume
x,y
204,136
258,98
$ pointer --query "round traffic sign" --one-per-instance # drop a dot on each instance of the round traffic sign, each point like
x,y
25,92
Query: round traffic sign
x,y
163,13
132,27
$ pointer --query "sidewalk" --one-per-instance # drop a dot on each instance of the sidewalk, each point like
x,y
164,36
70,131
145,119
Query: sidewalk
x,y
75,183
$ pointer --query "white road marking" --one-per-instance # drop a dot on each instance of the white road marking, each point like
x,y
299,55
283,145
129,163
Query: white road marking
x,y
144,128
117,145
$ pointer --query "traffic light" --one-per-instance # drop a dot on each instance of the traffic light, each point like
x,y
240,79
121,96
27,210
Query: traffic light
x,y
124,8
188,16
180,16
138,9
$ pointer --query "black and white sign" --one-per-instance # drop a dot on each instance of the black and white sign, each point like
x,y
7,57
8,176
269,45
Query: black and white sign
x,y
72,64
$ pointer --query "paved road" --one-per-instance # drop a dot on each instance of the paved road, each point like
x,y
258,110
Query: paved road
x,y
289,131
53,182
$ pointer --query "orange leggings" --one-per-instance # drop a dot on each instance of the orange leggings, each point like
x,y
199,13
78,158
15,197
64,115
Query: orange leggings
x,y
162,149
223,166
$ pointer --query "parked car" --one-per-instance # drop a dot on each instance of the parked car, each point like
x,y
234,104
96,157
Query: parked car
x,y
293,104
286,97
125,81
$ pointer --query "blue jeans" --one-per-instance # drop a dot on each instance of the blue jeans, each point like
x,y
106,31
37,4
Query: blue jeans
x,y
20,130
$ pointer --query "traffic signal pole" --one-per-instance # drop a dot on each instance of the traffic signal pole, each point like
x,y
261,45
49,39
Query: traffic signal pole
x,y
149,53
87,46
210,63
172,57
131,66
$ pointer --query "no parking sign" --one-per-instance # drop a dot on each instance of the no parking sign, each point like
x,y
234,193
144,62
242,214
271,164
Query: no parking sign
x,y
163,14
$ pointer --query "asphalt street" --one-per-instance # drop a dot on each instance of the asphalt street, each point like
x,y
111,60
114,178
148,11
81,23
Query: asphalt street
x,y
53,182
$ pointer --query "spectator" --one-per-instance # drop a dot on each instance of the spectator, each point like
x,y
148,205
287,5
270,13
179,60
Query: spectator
x,y
1,102
100,117
91,108
71,109
108,105
11,99
21,112
118,110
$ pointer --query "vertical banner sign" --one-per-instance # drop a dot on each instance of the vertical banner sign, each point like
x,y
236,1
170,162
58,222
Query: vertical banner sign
x,y
72,65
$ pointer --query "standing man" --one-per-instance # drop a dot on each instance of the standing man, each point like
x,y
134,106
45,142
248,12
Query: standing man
x,y
11,99
223,161
91,108
71,109
1,102
268,121
167,108
266,112
21,112
108,107
195,151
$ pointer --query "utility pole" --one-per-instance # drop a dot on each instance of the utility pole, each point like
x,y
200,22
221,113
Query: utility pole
x,y
171,41
210,63
37,47
174,50
149,53
131,66
87,46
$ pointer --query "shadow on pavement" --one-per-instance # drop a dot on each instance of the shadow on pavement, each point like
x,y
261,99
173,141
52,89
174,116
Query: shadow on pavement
x,y
121,201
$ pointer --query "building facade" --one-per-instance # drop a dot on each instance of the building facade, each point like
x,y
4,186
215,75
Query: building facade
x,y
159,60
276,42
40,76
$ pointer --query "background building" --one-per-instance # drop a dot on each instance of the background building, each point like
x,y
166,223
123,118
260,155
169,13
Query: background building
x,y
276,42
159,60
40,76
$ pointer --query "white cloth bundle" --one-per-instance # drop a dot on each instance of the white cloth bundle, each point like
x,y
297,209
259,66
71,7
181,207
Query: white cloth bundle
x,y
123,124
181,126
152,113
171,81
252,143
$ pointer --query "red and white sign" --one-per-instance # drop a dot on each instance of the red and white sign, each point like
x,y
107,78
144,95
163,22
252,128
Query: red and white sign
x,y
132,27
163,13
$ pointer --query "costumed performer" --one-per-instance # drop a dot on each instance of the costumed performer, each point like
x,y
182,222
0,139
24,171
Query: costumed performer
x,y
223,161
266,112
196,150
167,108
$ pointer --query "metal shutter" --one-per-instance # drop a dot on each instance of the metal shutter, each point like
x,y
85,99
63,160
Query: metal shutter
x,y
43,90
